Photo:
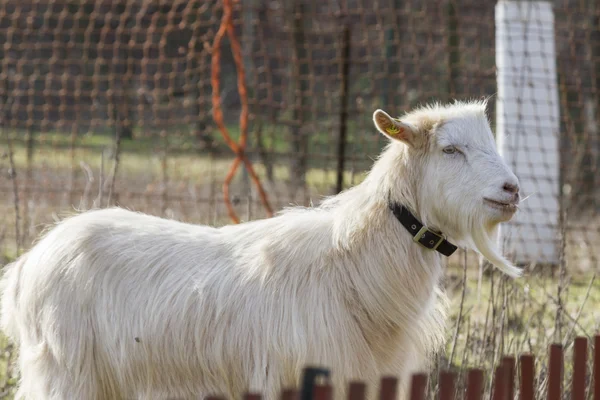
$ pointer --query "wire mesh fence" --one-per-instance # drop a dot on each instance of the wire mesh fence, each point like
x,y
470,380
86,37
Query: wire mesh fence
x,y
113,102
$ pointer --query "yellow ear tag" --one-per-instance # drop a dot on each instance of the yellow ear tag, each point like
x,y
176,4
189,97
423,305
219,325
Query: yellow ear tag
x,y
393,130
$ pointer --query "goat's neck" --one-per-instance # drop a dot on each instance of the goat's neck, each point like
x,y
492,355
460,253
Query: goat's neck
x,y
391,278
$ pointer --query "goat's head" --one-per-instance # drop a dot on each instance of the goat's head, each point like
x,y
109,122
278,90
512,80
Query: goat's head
x,y
461,186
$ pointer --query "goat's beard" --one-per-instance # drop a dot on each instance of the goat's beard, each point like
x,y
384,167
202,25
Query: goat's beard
x,y
483,242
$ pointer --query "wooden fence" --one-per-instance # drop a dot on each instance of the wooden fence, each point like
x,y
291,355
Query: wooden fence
x,y
504,385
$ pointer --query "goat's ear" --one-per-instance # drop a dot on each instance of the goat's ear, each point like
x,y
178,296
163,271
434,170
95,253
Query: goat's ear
x,y
394,128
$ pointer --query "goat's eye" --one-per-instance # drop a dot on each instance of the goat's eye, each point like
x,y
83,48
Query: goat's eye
x,y
449,150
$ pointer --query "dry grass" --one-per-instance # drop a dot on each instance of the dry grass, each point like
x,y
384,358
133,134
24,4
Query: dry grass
x,y
500,316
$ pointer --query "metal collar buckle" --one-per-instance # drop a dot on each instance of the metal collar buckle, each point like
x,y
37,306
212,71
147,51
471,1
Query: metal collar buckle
x,y
434,244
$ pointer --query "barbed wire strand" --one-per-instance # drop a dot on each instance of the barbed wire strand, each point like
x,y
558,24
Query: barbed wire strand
x,y
240,147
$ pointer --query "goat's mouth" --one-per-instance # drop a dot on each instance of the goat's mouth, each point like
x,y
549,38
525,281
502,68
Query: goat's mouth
x,y
507,207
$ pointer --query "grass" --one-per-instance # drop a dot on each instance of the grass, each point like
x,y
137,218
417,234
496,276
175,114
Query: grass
x,y
499,316
146,157
488,317
148,151
530,307
181,139
8,380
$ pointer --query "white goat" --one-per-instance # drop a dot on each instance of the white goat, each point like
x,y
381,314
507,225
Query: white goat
x,y
113,304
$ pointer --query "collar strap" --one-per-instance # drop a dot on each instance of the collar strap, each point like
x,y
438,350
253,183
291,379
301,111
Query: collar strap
x,y
420,233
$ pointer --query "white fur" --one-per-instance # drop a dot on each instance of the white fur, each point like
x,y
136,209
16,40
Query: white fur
x,y
113,304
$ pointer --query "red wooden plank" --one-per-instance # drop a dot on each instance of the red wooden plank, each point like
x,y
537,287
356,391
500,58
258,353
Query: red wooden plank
x,y
474,384
555,372
388,388
527,365
322,392
508,362
252,396
289,394
579,368
418,386
500,384
357,391
597,367
447,385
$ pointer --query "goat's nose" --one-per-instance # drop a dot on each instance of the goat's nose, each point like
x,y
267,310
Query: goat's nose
x,y
511,187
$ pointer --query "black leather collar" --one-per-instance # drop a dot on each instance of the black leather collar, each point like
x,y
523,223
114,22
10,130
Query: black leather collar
x,y
420,233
